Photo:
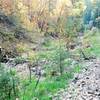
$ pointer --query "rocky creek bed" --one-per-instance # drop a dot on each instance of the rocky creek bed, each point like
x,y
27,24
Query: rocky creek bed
x,y
84,86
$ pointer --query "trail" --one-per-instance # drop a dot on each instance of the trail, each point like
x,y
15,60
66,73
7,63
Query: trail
x,y
85,85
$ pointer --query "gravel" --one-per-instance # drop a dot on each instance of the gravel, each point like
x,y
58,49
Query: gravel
x,y
85,85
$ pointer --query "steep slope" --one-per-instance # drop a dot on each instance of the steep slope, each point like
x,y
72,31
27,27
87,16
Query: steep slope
x,y
11,34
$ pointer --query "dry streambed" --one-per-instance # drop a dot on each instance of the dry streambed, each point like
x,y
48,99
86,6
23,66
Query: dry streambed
x,y
84,86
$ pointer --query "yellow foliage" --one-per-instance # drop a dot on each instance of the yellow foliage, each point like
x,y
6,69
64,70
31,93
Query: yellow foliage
x,y
32,55
30,11
21,47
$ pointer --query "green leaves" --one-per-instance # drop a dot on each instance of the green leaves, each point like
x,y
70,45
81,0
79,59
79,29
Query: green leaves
x,y
8,84
19,60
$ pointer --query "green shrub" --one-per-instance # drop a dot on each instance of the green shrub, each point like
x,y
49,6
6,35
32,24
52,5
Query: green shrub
x,y
19,60
8,84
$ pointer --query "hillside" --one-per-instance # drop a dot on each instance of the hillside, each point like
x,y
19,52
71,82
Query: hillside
x,y
49,49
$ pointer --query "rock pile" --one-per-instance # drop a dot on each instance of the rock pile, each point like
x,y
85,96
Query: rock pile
x,y
84,86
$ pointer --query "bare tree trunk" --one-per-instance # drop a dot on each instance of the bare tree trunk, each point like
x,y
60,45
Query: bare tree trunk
x,y
37,81
9,94
30,76
14,90
60,60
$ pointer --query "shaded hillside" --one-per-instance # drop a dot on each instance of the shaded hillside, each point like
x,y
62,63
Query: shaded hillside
x,y
11,33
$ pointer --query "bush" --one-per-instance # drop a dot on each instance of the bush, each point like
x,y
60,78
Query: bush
x,y
55,59
8,84
19,60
